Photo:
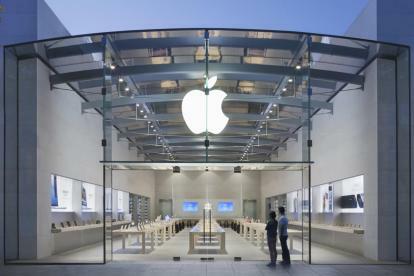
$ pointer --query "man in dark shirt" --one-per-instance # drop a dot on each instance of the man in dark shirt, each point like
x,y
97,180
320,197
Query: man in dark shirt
x,y
271,229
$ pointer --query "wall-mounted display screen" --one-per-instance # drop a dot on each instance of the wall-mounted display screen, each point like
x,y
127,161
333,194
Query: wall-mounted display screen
x,y
88,197
227,206
351,196
292,202
190,206
54,202
322,197
348,201
61,193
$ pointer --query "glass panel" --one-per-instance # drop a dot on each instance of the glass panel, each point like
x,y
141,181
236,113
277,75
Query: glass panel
x,y
107,142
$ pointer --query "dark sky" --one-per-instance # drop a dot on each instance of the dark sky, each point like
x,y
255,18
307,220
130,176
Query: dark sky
x,y
319,16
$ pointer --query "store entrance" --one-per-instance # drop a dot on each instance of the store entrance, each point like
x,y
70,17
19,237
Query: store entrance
x,y
202,212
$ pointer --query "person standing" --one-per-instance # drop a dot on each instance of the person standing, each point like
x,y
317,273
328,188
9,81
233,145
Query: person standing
x,y
271,229
283,236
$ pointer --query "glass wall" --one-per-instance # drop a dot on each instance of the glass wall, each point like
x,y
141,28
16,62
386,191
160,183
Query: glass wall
x,y
333,112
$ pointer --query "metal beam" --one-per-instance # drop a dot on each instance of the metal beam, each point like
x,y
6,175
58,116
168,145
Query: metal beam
x,y
237,42
201,149
234,97
189,71
177,130
213,140
125,122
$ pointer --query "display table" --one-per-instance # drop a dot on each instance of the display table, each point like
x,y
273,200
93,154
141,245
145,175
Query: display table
x,y
204,229
74,237
127,233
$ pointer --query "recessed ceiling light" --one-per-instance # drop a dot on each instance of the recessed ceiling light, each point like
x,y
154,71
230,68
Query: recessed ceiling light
x,y
142,111
154,130
284,89
267,117
290,80
274,105
270,111
121,80
152,126
258,130
145,116
126,89
137,105
298,67
112,66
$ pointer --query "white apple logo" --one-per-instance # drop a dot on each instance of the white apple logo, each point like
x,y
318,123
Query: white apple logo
x,y
201,111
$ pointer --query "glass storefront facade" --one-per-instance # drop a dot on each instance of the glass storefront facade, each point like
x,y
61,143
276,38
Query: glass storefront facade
x,y
324,119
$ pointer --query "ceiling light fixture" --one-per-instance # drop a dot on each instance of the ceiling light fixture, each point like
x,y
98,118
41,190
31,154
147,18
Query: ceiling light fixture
x,y
290,80
284,89
120,80
112,66
298,67
126,89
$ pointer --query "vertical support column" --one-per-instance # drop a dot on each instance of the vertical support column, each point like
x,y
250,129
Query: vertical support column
x,y
107,146
306,157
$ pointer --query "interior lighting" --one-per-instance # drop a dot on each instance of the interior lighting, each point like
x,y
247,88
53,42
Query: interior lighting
x,y
290,80
120,80
298,67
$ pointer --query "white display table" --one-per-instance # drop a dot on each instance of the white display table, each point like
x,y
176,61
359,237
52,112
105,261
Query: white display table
x,y
204,229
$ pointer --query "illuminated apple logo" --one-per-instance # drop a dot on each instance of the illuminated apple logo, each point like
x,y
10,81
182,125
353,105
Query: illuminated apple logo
x,y
201,111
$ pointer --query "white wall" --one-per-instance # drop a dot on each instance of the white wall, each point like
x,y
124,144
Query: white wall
x,y
213,185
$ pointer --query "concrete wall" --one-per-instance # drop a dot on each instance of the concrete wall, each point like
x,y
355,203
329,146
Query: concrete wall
x,y
213,185
22,21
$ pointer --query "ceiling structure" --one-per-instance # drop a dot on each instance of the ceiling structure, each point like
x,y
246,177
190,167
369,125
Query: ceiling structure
x,y
265,75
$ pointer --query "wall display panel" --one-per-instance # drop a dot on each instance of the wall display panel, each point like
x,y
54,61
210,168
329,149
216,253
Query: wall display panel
x,y
292,202
306,203
322,197
108,200
227,206
123,201
88,198
190,206
61,194
351,194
